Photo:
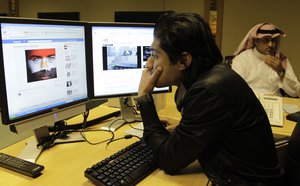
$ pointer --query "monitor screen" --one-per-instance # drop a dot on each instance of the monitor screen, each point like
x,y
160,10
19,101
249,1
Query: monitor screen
x,y
119,52
43,70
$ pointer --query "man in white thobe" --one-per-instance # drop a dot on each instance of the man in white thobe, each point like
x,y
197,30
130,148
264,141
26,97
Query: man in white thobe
x,y
260,63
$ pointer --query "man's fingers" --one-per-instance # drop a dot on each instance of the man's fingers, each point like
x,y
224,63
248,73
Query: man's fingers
x,y
157,73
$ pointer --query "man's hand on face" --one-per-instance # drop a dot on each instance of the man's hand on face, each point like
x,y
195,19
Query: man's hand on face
x,y
274,63
148,80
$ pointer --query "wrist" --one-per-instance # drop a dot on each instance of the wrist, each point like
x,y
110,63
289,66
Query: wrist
x,y
142,93
143,99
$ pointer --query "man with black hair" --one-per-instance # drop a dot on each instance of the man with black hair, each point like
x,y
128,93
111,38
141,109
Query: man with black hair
x,y
223,124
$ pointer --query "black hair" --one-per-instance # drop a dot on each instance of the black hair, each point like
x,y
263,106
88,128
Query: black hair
x,y
187,32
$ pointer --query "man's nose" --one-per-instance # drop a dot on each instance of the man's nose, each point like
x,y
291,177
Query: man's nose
x,y
44,63
271,43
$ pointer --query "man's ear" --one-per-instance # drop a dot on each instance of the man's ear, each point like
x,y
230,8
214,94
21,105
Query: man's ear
x,y
185,61
255,40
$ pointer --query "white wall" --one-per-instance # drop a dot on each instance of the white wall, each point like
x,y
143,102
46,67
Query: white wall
x,y
240,16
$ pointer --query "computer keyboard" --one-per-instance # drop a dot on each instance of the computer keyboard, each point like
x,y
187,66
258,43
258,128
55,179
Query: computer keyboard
x,y
126,167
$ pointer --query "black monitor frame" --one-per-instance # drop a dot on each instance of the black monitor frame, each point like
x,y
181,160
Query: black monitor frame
x,y
125,98
138,16
90,50
39,120
3,92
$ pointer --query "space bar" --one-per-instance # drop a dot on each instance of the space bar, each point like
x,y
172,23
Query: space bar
x,y
143,171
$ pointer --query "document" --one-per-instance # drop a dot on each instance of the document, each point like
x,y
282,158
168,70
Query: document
x,y
274,109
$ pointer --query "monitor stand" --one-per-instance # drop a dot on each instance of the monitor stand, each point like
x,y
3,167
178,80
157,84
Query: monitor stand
x,y
127,115
31,152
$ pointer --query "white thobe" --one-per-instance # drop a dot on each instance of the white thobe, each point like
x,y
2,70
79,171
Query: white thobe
x,y
262,78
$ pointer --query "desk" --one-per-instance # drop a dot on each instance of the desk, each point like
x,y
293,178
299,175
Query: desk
x,y
65,163
288,126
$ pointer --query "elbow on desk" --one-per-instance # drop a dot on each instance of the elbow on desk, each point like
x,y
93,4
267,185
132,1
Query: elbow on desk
x,y
169,165
168,169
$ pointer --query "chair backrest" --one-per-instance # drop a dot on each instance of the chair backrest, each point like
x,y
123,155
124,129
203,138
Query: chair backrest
x,y
293,157
228,60
289,157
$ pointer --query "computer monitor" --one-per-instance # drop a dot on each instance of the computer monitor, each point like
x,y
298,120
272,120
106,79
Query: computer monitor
x,y
43,71
119,54
138,16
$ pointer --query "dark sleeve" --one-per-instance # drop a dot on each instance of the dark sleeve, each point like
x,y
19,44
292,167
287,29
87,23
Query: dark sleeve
x,y
204,122
153,128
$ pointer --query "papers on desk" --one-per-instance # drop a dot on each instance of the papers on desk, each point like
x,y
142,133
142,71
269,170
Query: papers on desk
x,y
290,108
274,109
137,130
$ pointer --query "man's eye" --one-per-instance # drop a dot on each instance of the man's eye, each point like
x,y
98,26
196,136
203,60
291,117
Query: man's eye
x,y
36,59
264,40
51,57
275,40
154,55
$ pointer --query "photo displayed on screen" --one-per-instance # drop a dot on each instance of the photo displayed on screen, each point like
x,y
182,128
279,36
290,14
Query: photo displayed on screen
x,y
121,57
120,53
146,52
41,64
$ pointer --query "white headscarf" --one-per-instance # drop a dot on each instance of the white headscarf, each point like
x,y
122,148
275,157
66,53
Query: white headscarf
x,y
258,31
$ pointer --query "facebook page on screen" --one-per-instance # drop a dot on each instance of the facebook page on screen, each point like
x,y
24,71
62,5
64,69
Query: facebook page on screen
x,y
45,66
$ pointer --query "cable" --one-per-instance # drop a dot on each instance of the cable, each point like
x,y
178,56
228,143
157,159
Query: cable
x,y
135,127
127,136
95,143
85,116
125,102
61,129
109,129
88,123
48,141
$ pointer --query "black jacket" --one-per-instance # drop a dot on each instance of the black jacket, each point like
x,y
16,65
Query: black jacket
x,y
223,125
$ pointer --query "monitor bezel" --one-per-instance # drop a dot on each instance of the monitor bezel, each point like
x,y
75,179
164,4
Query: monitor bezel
x,y
90,51
6,120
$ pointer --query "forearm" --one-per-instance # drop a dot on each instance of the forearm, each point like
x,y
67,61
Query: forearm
x,y
290,83
152,123
163,143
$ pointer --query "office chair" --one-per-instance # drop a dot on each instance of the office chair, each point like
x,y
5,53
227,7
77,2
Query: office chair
x,y
228,60
289,157
292,162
